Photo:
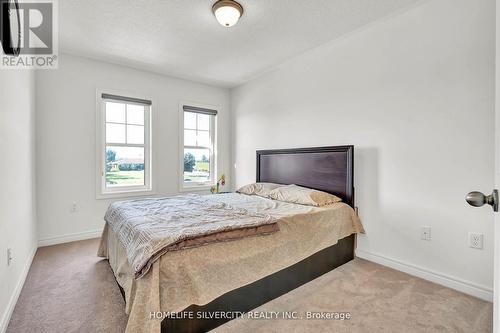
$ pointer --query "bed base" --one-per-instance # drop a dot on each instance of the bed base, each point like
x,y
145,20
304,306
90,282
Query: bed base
x,y
251,296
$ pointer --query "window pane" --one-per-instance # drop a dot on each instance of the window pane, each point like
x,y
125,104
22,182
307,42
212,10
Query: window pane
x,y
190,120
124,166
115,133
203,139
115,112
135,134
203,122
196,165
189,137
135,114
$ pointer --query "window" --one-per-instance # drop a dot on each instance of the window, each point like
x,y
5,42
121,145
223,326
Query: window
x,y
198,159
124,152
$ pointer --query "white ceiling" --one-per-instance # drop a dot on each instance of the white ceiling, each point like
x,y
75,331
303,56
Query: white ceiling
x,y
183,39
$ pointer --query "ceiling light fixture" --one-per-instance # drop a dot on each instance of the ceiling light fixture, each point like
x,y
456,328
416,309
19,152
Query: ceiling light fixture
x,y
227,12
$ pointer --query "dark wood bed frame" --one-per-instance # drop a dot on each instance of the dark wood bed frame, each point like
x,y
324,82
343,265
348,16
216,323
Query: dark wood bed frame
x,y
328,169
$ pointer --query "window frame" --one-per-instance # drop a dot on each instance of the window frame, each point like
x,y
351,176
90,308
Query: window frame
x,y
198,186
102,191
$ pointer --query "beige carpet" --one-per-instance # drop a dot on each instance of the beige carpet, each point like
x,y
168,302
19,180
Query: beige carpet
x,y
69,289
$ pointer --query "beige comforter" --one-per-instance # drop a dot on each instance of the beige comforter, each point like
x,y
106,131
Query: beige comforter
x,y
149,228
199,275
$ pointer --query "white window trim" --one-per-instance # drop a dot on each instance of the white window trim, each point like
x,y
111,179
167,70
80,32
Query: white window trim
x,y
213,137
126,191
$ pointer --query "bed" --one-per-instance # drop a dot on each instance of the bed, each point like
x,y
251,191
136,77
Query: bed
x,y
229,278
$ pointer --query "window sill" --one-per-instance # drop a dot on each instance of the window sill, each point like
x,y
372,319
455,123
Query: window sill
x,y
195,188
125,194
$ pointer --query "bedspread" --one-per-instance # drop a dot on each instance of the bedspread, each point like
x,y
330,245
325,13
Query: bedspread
x,y
148,228
201,274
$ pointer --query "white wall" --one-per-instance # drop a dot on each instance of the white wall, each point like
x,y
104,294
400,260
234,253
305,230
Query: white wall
x,y
66,107
415,94
17,195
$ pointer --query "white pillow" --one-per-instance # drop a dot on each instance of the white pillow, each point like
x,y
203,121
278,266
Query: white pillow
x,y
303,196
260,189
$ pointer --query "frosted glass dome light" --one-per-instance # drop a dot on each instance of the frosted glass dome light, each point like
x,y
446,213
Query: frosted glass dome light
x,y
227,12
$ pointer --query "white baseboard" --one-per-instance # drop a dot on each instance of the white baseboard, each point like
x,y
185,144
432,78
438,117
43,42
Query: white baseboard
x,y
466,287
69,238
17,291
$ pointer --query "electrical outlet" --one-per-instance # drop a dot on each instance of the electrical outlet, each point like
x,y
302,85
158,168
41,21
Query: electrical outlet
x,y
9,256
425,233
74,207
476,240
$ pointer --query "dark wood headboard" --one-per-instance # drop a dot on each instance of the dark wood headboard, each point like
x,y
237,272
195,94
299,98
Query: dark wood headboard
x,y
328,169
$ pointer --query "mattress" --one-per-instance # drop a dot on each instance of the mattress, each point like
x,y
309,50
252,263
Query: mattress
x,y
200,275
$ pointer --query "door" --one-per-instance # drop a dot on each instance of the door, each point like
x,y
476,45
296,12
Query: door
x,y
496,287
478,199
